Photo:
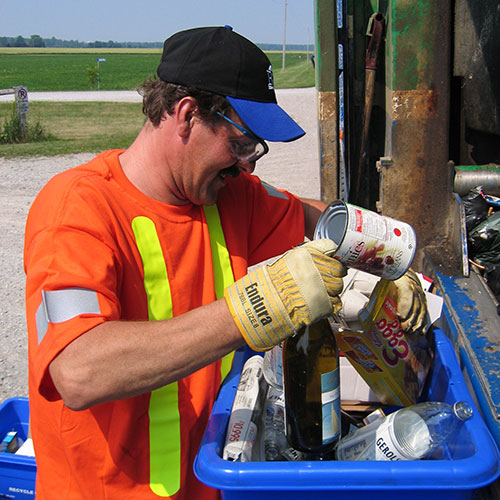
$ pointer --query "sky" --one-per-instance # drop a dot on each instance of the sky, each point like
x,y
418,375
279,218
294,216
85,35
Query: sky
x,y
262,21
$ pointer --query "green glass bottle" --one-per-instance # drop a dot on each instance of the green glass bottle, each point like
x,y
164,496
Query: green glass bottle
x,y
312,389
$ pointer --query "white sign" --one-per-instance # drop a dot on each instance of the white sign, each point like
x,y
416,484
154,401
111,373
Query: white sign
x,y
22,99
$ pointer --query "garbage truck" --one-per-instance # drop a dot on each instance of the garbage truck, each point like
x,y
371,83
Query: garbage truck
x,y
409,126
408,101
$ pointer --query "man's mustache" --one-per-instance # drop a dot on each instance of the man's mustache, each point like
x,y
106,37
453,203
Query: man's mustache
x,y
232,171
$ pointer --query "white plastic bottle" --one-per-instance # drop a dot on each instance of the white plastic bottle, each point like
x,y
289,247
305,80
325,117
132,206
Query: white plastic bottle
x,y
410,433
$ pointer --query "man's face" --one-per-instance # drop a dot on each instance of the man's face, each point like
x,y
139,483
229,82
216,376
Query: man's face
x,y
213,160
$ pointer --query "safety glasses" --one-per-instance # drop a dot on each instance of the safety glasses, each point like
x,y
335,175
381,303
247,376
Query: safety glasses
x,y
249,151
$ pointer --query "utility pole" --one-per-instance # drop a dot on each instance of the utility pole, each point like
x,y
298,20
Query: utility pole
x,y
284,38
308,39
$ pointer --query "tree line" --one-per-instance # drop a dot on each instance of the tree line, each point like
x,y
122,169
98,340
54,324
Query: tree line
x,y
38,41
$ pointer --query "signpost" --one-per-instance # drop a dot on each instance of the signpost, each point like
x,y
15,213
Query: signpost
x,y
99,60
21,94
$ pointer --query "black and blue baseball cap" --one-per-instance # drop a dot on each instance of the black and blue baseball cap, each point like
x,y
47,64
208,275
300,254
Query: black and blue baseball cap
x,y
218,60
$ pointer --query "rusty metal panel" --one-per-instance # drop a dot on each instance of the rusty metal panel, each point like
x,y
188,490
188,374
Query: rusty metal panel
x,y
419,36
326,49
326,67
328,149
416,184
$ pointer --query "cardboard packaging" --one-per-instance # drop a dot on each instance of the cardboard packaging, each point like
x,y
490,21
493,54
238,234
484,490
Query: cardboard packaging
x,y
393,363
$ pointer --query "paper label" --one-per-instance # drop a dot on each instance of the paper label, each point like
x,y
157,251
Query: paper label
x,y
386,447
330,400
377,244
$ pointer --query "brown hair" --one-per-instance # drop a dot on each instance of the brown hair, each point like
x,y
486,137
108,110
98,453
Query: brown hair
x,y
159,97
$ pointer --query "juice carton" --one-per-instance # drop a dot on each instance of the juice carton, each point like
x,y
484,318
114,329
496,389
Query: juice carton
x,y
392,362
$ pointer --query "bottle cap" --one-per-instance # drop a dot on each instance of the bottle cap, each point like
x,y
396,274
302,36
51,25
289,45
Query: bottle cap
x,y
463,410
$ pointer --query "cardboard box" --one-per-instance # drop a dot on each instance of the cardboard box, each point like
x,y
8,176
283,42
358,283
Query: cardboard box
x,y
353,388
393,363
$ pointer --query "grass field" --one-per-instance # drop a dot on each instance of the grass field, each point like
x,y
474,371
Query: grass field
x,y
78,127
124,69
91,127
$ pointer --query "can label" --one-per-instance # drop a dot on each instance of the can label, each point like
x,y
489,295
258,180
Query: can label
x,y
389,447
368,241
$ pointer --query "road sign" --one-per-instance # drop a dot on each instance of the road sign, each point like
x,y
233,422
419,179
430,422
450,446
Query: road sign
x,y
21,94
22,99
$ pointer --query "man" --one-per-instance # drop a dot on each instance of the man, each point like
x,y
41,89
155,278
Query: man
x,y
164,231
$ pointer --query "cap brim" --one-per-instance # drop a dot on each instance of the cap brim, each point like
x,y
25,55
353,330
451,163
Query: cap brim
x,y
267,120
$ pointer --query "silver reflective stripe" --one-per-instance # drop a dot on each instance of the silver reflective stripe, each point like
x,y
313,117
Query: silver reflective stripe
x,y
60,305
272,191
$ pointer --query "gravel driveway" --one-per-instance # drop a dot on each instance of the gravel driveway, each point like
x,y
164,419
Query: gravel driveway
x,y
293,166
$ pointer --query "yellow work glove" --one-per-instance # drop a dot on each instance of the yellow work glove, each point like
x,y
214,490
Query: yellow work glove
x,y
412,304
273,301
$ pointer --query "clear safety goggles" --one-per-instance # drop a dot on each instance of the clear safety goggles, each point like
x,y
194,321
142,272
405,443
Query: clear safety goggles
x,y
249,151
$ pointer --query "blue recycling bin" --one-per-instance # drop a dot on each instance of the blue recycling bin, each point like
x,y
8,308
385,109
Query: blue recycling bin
x,y
17,472
470,462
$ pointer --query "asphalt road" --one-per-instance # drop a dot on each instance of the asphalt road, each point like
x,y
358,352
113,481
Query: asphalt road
x,y
292,166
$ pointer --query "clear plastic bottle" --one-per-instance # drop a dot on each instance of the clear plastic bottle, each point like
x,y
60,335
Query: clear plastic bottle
x,y
274,425
410,433
312,389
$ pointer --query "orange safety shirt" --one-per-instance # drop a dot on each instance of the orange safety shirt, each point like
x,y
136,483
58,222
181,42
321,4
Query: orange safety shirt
x,y
83,268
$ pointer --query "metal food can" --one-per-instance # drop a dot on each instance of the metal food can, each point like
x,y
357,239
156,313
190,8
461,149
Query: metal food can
x,y
368,241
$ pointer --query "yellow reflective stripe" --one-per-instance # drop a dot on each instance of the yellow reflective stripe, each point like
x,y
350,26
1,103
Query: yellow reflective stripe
x,y
155,271
223,273
165,441
221,263
164,421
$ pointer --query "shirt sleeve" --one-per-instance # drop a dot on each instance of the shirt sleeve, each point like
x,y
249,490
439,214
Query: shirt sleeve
x,y
71,279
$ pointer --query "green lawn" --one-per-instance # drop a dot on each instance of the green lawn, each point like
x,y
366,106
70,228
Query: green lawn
x,y
55,72
90,127
64,70
77,127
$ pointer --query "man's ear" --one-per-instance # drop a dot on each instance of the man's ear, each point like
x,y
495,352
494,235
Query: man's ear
x,y
185,112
